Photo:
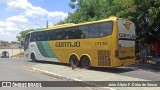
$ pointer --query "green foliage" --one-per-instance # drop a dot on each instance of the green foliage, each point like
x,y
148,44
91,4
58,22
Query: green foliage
x,y
144,13
89,10
146,19
23,34
61,22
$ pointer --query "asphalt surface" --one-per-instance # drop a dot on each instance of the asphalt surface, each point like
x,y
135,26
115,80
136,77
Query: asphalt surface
x,y
17,66
139,70
14,70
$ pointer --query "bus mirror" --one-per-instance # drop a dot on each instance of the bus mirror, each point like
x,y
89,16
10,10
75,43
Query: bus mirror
x,y
22,42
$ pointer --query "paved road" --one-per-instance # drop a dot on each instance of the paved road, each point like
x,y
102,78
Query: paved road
x,y
16,67
139,70
14,70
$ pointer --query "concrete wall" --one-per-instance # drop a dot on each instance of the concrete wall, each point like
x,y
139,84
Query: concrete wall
x,y
11,51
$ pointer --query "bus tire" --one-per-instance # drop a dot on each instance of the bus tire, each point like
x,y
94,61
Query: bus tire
x,y
73,61
33,57
85,62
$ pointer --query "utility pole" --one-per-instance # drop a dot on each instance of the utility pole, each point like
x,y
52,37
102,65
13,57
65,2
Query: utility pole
x,y
47,24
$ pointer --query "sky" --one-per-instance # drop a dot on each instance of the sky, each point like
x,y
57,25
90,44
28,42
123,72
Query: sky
x,y
19,15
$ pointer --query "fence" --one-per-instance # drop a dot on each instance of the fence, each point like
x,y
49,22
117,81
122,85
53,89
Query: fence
x,y
12,52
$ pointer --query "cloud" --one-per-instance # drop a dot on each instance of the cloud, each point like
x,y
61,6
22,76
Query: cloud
x,y
29,10
6,24
18,18
28,17
57,14
1,23
1,30
3,1
19,4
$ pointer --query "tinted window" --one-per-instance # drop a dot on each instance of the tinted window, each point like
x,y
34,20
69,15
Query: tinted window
x,y
69,33
84,31
93,31
27,37
40,36
26,42
46,35
105,28
51,35
59,34
77,33
34,36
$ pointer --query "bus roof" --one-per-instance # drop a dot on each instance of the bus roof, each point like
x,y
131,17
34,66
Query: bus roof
x,y
79,24
111,18
59,26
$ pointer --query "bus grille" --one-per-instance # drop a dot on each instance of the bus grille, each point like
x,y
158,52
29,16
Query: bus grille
x,y
104,58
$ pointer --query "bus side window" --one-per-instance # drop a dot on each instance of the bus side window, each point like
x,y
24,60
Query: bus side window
x,y
84,31
69,33
77,33
39,36
26,41
31,37
93,31
105,28
46,36
51,35
82,36
60,34
34,36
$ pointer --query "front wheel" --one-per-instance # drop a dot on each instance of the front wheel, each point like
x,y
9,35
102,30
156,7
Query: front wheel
x,y
33,58
85,62
73,61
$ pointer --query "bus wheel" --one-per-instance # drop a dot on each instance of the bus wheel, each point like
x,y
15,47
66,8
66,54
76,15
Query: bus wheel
x,y
85,62
73,61
33,57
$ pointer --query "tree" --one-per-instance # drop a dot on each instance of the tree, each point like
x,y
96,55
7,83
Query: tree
x,y
86,10
144,13
146,19
23,34
89,10
4,43
61,22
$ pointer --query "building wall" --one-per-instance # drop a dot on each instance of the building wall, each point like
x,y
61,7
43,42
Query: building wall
x,y
11,51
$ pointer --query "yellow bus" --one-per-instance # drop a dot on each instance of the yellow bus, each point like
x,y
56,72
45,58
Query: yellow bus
x,y
104,43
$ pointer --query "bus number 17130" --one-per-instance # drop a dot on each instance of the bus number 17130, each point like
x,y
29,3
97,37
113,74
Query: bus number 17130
x,y
101,43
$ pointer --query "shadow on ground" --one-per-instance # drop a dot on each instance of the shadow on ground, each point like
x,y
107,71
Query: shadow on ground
x,y
148,67
136,66
112,70
49,62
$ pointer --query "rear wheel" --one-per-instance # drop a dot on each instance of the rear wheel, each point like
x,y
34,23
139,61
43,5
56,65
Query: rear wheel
x,y
73,61
33,58
85,62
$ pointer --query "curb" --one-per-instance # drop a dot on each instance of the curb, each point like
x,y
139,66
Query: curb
x,y
62,77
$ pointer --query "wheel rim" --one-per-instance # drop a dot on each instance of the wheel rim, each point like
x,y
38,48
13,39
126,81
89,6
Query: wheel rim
x,y
85,63
74,61
33,57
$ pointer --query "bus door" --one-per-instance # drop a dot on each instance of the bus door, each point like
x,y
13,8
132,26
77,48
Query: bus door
x,y
26,42
26,45
126,39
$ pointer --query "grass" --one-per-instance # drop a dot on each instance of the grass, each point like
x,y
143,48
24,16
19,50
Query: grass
x,y
20,55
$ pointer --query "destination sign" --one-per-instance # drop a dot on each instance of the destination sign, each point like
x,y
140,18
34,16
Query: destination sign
x,y
124,35
67,44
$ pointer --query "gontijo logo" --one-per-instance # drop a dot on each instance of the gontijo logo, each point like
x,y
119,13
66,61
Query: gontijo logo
x,y
127,25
